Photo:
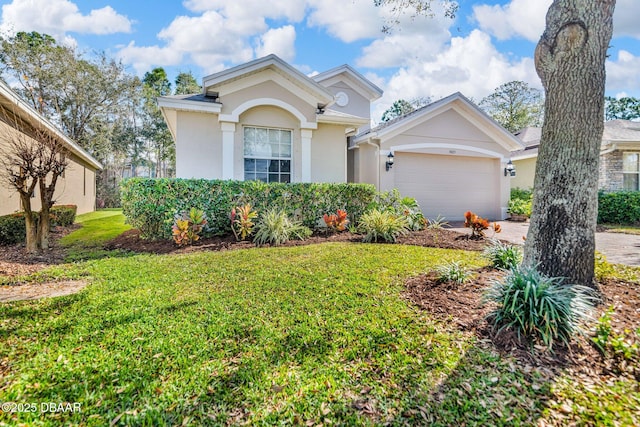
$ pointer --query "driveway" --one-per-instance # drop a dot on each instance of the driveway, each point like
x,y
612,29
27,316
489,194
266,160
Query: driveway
x,y
617,247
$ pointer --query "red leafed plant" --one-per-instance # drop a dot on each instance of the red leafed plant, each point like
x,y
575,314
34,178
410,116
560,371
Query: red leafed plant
x,y
478,225
337,221
242,221
188,226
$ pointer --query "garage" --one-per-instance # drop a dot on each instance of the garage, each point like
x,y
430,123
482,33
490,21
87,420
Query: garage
x,y
449,155
450,185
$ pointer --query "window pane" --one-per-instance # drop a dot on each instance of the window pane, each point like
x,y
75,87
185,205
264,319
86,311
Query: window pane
x,y
273,177
630,181
630,162
274,136
285,165
273,166
285,149
285,137
285,177
249,176
249,165
261,177
262,165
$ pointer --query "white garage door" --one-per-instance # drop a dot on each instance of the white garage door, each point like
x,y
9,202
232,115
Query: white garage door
x,y
450,185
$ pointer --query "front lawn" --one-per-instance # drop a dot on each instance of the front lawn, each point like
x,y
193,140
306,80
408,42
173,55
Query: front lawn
x,y
97,228
264,336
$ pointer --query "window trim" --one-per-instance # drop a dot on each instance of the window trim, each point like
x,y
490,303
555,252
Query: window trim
x,y
636,172
269,158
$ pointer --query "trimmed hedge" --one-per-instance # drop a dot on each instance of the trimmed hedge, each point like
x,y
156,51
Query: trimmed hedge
x,y
622,207
14,230
63,215
150,205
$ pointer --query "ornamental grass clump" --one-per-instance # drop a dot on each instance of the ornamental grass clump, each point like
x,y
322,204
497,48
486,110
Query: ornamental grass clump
x,y
382,226
540,308
503,255
453,272
276,228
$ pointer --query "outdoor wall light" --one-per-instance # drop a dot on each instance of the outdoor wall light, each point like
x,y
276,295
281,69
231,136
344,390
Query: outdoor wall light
x,y
389,163
510,170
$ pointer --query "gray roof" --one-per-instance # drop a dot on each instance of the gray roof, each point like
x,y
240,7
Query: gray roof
x,y
198,97
621,130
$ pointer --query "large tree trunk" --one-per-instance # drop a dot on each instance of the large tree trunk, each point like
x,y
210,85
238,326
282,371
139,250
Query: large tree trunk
x,y
570,60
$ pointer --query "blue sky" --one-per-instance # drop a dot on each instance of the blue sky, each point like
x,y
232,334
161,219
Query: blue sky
x,y
489,42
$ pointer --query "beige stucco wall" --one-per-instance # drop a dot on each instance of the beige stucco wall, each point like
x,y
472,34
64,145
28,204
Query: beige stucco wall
x,y
77,187
233,95
366,164
198,147
329,154
358,105
525,173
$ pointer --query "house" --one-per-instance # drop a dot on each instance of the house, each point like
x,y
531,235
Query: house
x,y
77,186
265,120
619,167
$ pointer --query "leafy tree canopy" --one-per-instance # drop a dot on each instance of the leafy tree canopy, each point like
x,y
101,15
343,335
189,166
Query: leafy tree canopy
x,y
186,84
515,105
625,108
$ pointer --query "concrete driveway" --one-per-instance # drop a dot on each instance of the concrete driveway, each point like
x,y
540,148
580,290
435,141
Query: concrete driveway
x,y
617,247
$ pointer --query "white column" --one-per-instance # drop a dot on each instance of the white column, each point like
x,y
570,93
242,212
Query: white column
x,y
228,138
305,143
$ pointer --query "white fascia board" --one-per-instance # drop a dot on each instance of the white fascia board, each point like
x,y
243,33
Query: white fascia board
x,y
524,156
33,117
187,105
341,120
324,95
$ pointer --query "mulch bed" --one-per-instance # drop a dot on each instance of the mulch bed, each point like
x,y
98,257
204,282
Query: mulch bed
x,y
442,238
461,306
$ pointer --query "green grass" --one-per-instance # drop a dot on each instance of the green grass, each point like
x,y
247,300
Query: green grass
x,y
264,336
622,228
97,228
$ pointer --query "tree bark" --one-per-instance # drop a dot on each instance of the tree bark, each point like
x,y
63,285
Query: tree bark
x,y
570,60
30,225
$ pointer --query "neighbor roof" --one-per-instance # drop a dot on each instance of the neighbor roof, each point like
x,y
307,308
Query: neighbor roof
x,y
10,100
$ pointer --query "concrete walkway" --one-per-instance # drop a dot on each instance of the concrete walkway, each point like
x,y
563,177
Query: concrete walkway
x,y
617,247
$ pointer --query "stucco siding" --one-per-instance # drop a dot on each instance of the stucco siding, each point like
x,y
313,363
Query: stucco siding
x,y
77,187
358,105
265,89
329,154
198,146
366,160
525,173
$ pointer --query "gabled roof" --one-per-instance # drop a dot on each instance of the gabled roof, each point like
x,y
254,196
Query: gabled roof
x,y
273,62
16,105
363,85
456,101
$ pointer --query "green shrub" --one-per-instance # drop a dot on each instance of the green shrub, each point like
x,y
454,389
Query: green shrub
x,y
63,215
275,227
382,225
521,194
453,272
151,204
12,229
519,207
502,255
401,206
622,347
538,307
621,207
438,223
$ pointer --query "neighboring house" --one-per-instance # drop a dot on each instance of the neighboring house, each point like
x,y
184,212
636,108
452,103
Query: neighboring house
x,y
77,186
265,120
449,155
619,157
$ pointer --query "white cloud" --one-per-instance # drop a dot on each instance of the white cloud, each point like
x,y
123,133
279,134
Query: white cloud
x,y
292,11
520,18
622,74
58,17
280,41
471,65
347,20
